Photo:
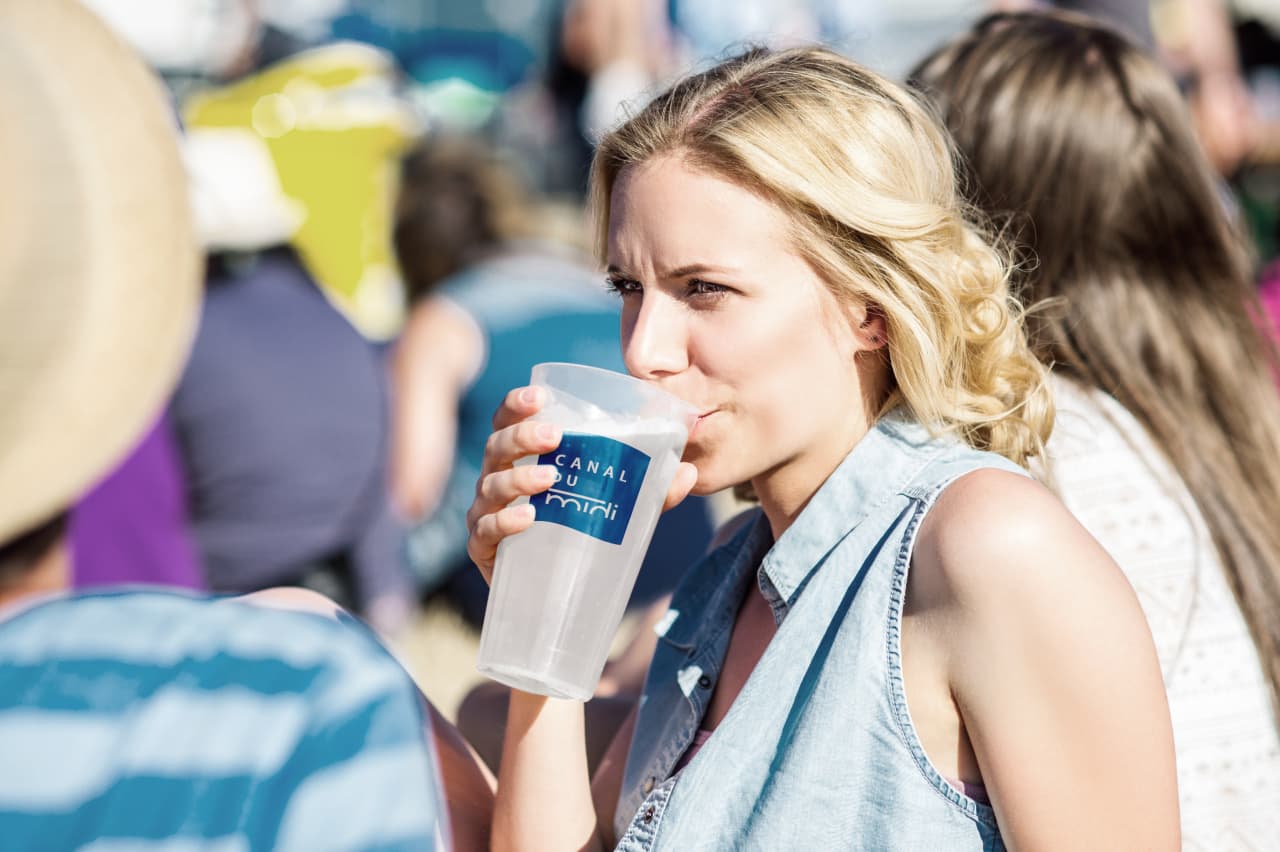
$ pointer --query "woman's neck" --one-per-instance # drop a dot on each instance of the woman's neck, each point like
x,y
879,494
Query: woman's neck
x,y
785,490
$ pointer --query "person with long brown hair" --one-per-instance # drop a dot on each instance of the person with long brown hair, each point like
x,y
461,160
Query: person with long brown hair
x,y
1167,444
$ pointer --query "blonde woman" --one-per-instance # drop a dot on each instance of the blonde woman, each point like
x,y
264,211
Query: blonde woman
x,y
1167,445
912,645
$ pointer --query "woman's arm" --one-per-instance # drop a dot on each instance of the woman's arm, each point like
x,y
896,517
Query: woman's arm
x,y
544,798
1052,667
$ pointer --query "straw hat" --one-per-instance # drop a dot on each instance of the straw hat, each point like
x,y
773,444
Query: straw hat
x,y
99,272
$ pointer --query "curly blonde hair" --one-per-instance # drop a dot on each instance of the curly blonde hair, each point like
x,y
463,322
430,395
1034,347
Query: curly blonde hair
x,y
867,178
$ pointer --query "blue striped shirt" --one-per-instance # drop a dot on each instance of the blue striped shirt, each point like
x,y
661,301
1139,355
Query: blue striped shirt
x,y
155,720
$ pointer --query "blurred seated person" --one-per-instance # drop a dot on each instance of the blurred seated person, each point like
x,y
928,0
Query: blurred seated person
x,y
282,413
490,296
145,720
133,717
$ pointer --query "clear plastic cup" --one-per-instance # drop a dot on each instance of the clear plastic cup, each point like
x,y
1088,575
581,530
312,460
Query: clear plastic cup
x,y
559,588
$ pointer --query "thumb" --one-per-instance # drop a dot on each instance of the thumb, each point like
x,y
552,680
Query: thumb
x,y
683,482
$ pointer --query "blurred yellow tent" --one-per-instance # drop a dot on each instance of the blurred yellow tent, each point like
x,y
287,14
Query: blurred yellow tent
x,y
336,130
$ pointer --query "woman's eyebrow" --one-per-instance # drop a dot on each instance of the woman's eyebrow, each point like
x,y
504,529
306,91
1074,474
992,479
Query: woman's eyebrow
x,y
697,269
681,271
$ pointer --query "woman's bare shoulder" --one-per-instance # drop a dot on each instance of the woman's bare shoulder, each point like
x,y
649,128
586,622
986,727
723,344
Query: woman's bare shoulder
x,y
1034,621
995,537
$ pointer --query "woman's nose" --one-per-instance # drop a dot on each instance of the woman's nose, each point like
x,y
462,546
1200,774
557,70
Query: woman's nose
x,y
654,338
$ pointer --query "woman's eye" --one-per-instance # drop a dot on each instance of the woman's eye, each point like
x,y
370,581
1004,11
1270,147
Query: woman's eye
x,y
623,286
706,289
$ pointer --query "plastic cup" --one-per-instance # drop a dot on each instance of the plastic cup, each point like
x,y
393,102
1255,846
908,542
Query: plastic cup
x,y
560,588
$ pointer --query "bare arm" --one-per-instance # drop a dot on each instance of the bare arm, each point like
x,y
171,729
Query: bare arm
x,y
438,355
545,753
1052,667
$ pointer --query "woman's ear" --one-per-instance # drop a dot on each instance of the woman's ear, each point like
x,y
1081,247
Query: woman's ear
x,y
872,331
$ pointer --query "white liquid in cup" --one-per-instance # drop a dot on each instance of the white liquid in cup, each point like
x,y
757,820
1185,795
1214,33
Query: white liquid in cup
x,y
559,592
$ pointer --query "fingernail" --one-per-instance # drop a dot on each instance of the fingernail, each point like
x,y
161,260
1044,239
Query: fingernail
x,y
546,473
547,432
529,396
527,512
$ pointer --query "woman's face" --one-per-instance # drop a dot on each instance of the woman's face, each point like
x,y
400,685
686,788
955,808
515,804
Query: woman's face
x,y
720,310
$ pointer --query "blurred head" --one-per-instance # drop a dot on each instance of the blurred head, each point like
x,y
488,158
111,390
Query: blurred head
x,y
1079,144
457,202
794,259
99,282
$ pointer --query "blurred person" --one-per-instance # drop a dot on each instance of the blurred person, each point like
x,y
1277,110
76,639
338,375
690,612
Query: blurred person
x,y
492,292
283,420
787,239
1199,43
1167,443
281,413
707,28
603,55
1132,17
624,48
139,720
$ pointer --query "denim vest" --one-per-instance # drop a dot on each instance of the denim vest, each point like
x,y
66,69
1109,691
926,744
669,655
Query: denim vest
x,y
818,750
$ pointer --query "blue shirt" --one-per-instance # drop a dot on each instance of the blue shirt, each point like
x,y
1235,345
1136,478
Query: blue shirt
x,y
147,720
818,750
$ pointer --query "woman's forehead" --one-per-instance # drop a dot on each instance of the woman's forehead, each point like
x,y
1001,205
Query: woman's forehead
x,y
667,207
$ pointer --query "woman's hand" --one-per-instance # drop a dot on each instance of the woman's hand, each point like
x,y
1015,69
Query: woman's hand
x,y
491,517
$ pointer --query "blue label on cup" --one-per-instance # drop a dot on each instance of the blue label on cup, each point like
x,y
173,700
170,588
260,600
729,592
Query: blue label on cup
x,y
597,481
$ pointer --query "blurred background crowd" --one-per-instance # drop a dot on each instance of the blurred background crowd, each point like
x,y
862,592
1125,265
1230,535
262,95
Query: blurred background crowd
x,y
389,195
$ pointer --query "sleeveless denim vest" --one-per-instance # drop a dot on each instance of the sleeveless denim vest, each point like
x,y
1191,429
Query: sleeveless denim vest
x,y
818,750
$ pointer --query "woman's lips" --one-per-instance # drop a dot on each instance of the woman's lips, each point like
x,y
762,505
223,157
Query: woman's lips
x,y
697,424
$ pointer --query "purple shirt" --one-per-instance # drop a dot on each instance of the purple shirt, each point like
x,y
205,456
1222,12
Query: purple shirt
x,y
132,526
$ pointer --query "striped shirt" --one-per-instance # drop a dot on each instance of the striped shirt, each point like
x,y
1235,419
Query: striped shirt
x,y
151,720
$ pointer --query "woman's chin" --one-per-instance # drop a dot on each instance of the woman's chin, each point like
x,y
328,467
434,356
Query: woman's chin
x,y
703,490
709,483
714,474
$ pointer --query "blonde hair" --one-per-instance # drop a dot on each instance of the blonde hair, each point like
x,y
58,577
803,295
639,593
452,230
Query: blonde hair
x,y
866,176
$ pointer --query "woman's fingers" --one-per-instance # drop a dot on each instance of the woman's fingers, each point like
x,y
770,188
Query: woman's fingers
x,y
491,518
502,487
686,477
491,529
518,404
515,442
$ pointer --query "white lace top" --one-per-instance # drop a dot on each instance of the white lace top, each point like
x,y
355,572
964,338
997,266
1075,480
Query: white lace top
x,y
1127,495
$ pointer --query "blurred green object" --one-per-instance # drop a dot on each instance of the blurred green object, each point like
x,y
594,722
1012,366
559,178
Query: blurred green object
x,y
456,103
